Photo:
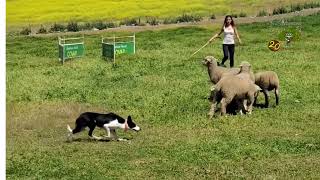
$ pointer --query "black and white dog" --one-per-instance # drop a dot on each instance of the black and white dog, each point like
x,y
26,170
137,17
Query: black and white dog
x,y
110,122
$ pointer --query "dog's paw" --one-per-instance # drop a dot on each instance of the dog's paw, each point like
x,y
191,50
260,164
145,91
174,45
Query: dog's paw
x,y
121,139
95,138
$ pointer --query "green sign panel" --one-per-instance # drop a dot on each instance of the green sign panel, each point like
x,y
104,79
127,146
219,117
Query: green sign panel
x,y
107,50
118,48
115,46
70,48
68,51
124,48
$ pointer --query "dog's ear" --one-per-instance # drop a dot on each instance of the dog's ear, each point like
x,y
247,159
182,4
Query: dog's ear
x,y
129,118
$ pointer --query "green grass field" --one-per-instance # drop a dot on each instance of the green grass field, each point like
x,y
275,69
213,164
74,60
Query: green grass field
x,y
25,12
165,92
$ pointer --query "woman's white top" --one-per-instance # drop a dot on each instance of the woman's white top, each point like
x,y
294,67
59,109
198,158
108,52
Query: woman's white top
x,y
228,35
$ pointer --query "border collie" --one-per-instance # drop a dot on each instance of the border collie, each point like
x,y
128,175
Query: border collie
x,y
110,122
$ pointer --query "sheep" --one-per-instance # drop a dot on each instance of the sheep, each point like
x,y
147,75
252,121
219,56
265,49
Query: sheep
x,y
231,108
247,69
268,81
215,72
236,88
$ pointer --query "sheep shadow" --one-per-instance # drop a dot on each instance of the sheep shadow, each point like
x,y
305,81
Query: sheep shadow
x,y
230,110
262,106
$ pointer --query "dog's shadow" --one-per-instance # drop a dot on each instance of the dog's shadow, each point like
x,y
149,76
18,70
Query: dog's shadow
x,y
89,140
95,140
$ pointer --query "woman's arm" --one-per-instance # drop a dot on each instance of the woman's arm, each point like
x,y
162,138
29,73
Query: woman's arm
x,y
216,35
237,34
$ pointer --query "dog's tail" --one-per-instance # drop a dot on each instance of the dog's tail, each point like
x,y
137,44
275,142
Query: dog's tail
x,y
69,128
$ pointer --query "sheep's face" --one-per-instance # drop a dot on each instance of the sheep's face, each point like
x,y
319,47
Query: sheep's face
x,y
208,60
245,68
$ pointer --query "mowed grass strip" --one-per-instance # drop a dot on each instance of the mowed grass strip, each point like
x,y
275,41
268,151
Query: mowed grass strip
x,y
22,12
165,91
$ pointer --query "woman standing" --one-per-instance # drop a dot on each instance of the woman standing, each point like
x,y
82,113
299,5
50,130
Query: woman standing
x,y
229,29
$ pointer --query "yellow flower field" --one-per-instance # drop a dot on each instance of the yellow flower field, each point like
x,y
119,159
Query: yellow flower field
x,y
22,12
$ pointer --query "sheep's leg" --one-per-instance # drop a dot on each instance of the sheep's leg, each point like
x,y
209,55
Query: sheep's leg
x,y
214,100
266,97
243,107
212,93
212,108
224,104
256,98
250,102
276,92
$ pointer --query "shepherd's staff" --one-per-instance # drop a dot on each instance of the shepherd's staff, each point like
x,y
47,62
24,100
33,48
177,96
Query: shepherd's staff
x,y
239,49
202,47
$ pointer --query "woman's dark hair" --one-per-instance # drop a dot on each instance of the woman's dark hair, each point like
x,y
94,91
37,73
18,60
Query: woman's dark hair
x,y
225,21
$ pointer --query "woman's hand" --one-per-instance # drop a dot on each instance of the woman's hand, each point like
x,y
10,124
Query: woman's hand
x,y
213,37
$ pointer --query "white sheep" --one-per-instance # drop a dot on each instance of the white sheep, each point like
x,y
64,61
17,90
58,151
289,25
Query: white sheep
x,y
238,88
233,107
216,72
268,81
246,71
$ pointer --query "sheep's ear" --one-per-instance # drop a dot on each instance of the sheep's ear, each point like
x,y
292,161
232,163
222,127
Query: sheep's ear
x,y
258,88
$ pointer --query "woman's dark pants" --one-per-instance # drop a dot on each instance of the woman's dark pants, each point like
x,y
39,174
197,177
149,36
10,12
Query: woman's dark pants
x,y
228,49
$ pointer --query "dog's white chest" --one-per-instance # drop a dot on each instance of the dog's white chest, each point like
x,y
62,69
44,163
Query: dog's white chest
x,y
114,124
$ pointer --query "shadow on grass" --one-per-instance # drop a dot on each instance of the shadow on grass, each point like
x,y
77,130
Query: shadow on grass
x,y
92,140
86,140
262,106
